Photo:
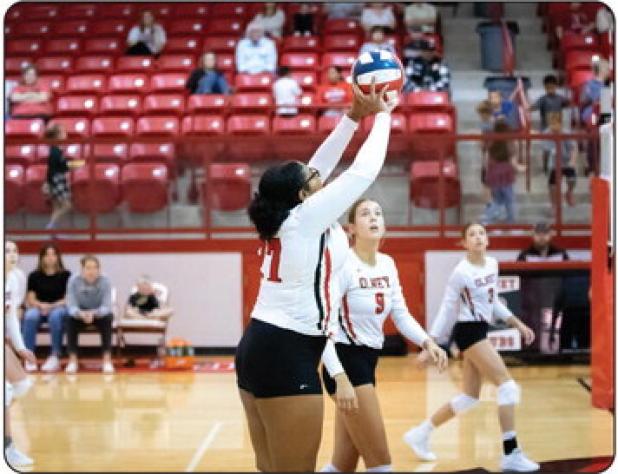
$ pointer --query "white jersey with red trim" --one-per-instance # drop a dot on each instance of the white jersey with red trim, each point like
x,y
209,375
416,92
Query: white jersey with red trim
x,y
12,300
298,290
370,293
471,295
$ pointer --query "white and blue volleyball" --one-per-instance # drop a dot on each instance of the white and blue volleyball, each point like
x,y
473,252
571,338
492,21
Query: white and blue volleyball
x,y
384,66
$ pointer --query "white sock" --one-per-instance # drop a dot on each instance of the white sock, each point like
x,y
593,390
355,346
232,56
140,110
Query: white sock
x,y
383,468
427,426
508,435
329,468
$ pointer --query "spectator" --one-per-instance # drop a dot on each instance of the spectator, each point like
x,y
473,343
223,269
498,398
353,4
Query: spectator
x,y
604,20
46,301
272,20
207,79
146,39
503,109
568,152
335,92
256,53
286,92
9,85
303,21
501,168
89,300
591,90
487,126
144,304
378,14
541,249
577,21
29,98
378,42
413,48
420,17
427,71
336,10
551,101
57,185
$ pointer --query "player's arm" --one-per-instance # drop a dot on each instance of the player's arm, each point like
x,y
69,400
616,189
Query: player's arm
x,y
449,308
345,395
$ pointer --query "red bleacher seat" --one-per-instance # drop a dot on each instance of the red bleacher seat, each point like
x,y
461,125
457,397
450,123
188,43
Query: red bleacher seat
x,y
104,196
226,26
116,10
110,152
573,41
84,105
14,182
254,126
225,62
190,10
168,82
251,102
300,44
110,28
341,25
93,64
183,44
199,103
399,125
34,200
302,124
159,152
302,61
23,11
167,126
221,44
23,155
425,187
112,127
176,63
184,27
143,64
289,130
85,84
128,83
145,186
22,47
27,29
78,10
203,125
228,10
24,128
327,123
73,151
433,126
76,127
307,80
164,104
54,64
70,29
14,65
427,100
254,82
120,104
62,46
162,10
342,42
341,59
227,187
54,82
106,45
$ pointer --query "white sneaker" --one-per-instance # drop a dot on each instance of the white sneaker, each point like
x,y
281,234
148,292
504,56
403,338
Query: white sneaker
x,y
71,367
418,441
108,368
52,364
16,458
517,461
30,366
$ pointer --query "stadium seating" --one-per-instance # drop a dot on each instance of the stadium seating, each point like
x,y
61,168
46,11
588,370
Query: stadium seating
x,y
341,25
54,64
300,44
307,80
348,42
76,127
206,103
226,26
155,126
183,45
110,152
28,29
251,102
293,136
84,105
252,126
14,65
432,127
14,181
109,28
143,64
191,10
94,64
130,82
428,101
80,84
22,155
35,201
164,104
105,45
253,83
145,187
121,104
300,61
341,59
118,10
227,187
112,127
203,125
70,29
102,196
32,11
177,63
78,11
425,184
186,26
24,128
168,82
227,10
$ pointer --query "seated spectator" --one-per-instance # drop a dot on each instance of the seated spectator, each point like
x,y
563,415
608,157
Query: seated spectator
x,y
542,249
303,21
336,10
146,39
378,14
29,98
420,17
502,166
604,20
144,304
89,300
502,109
551,101
272,20
9,85
427,72
577,22
414,48
335,92
57,185
46,301
207,79
286,92
378,42
568,160
591,90
256,53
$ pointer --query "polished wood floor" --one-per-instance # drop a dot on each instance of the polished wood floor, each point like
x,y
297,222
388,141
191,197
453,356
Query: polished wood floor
x,y
194,422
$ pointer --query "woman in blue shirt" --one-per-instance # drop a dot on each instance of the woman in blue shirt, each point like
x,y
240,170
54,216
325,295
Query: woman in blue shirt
x,y
207,79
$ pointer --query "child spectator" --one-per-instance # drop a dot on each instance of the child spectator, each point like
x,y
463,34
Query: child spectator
x,y
427,71
378,42
503,110
551,101
591,90
57,184
303,21
378,14
29,98
336,10
256,53
272,20
286,92
207,79
568,160
146,39
144,304
89,301
47,287
420,17
335,92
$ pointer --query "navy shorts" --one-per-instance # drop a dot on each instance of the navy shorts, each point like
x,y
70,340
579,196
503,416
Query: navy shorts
x,y
468,333
359,363
568,173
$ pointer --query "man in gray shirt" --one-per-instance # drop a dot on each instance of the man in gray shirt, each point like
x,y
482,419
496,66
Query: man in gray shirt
x,y
89,302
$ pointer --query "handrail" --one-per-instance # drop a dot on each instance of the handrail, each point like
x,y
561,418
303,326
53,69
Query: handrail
x,y
519,98
508,53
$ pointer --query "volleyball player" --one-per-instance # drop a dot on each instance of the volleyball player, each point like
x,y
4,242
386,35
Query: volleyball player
x,y
303,248
370,289
472,299
17,382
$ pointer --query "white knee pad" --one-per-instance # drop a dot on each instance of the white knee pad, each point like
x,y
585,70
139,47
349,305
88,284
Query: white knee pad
x,y
508,393
8,394
383,468
462,403
21,388
329,468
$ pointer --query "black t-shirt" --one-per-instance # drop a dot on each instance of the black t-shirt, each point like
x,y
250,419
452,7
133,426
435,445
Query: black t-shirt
x,y
554,254
48,288
144,303
56,163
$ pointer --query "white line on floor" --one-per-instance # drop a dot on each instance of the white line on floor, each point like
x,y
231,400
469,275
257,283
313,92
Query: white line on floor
x,y
210,437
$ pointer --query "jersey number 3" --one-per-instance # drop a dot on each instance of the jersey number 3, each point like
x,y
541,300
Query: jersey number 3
x,y
379,303
273,248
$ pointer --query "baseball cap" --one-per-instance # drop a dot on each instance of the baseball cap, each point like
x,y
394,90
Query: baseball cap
x,y
542,227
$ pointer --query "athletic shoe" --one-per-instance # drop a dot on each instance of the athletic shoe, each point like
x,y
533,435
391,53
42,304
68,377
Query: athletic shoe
x,y
71,368
518,462
15,458
108,368
418,441
30,366
52,364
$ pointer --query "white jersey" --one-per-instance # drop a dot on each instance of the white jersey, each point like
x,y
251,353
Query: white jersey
x,y
369,295
12,301
298,290
470,295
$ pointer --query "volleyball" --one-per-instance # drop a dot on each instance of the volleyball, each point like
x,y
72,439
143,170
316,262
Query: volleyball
x,y
384,66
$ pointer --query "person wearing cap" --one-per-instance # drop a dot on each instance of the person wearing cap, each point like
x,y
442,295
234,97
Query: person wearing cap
x,y
144,304
542,249
255,53
426,71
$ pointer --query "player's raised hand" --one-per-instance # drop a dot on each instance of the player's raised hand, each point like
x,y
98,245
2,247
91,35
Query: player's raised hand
x,y
370,103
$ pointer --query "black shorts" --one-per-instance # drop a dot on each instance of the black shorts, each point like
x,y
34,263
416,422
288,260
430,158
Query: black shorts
x,y
568,173
359,363
468,333
276,362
